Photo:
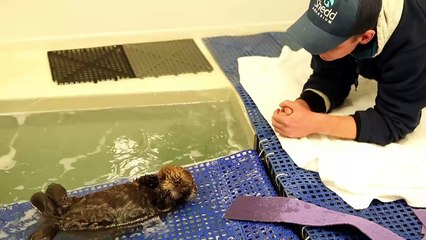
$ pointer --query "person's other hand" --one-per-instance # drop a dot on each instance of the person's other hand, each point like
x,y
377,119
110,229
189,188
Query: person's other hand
x,y
293,119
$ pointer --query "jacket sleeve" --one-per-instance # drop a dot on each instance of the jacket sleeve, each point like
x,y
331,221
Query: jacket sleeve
x,y
330,83
400,99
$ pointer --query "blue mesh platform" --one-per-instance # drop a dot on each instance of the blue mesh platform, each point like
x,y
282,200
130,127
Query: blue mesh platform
x,y
218,182
228,48
289,179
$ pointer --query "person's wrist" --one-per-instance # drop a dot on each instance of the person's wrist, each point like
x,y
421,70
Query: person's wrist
x,y
315,101
318,122
303,103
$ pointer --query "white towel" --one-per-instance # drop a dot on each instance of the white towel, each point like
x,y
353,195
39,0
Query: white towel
x,y
358,172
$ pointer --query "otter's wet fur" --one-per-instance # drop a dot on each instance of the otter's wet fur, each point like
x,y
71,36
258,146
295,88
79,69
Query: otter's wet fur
x,y
121,206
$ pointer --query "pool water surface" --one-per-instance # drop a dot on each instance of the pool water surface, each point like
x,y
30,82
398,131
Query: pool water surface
x,y
82,148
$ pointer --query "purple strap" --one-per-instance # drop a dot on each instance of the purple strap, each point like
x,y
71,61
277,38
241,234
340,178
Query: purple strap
x,y
291,210
421,215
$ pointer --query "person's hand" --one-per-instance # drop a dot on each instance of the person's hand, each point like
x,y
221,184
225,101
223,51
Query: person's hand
x,y
293,119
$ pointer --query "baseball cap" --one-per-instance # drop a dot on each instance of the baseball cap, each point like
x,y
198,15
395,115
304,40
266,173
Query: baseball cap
x,y
328,23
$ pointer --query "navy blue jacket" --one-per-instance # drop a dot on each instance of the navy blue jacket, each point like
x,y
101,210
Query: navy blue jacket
x,y
399,69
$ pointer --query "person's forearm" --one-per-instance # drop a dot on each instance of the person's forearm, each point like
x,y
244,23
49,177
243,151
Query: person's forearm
x,y
335,126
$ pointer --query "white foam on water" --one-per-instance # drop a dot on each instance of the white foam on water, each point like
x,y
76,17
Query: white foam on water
x,y
67,162
167,162
229,119
92,182
8,161
21,118
101,143
3,235
125,151
122,162
193,154
61,118
123,145
20,187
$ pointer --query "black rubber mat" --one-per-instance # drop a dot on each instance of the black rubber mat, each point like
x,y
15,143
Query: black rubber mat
x,y
89,64
155,59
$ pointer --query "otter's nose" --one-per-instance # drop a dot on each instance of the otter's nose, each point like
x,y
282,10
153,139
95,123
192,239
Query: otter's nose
x,y
186,192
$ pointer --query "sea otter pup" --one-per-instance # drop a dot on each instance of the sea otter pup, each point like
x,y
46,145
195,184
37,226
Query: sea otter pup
x,y
125,205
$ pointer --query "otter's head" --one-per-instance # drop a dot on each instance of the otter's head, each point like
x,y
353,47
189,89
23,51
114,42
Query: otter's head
x,y
176,186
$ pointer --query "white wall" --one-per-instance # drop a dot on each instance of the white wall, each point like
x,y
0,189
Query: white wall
x,y
24,20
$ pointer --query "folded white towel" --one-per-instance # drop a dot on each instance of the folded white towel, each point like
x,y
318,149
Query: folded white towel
x,y
358,172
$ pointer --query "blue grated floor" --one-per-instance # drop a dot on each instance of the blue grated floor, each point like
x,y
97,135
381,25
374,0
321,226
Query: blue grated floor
x,y
218,182
291,180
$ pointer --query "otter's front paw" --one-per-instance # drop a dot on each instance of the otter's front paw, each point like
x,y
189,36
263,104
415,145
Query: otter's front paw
x,y
43,204
58,195
150,181
164,203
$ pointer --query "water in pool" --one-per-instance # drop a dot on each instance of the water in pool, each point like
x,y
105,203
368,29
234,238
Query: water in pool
x,y
83,148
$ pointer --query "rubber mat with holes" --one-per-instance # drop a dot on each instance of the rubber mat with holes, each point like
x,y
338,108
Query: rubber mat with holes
x,y
89,65
141,60
155,59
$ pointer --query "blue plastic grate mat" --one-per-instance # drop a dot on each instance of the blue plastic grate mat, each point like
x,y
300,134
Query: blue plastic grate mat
x,y
226,50
289,179
218,182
